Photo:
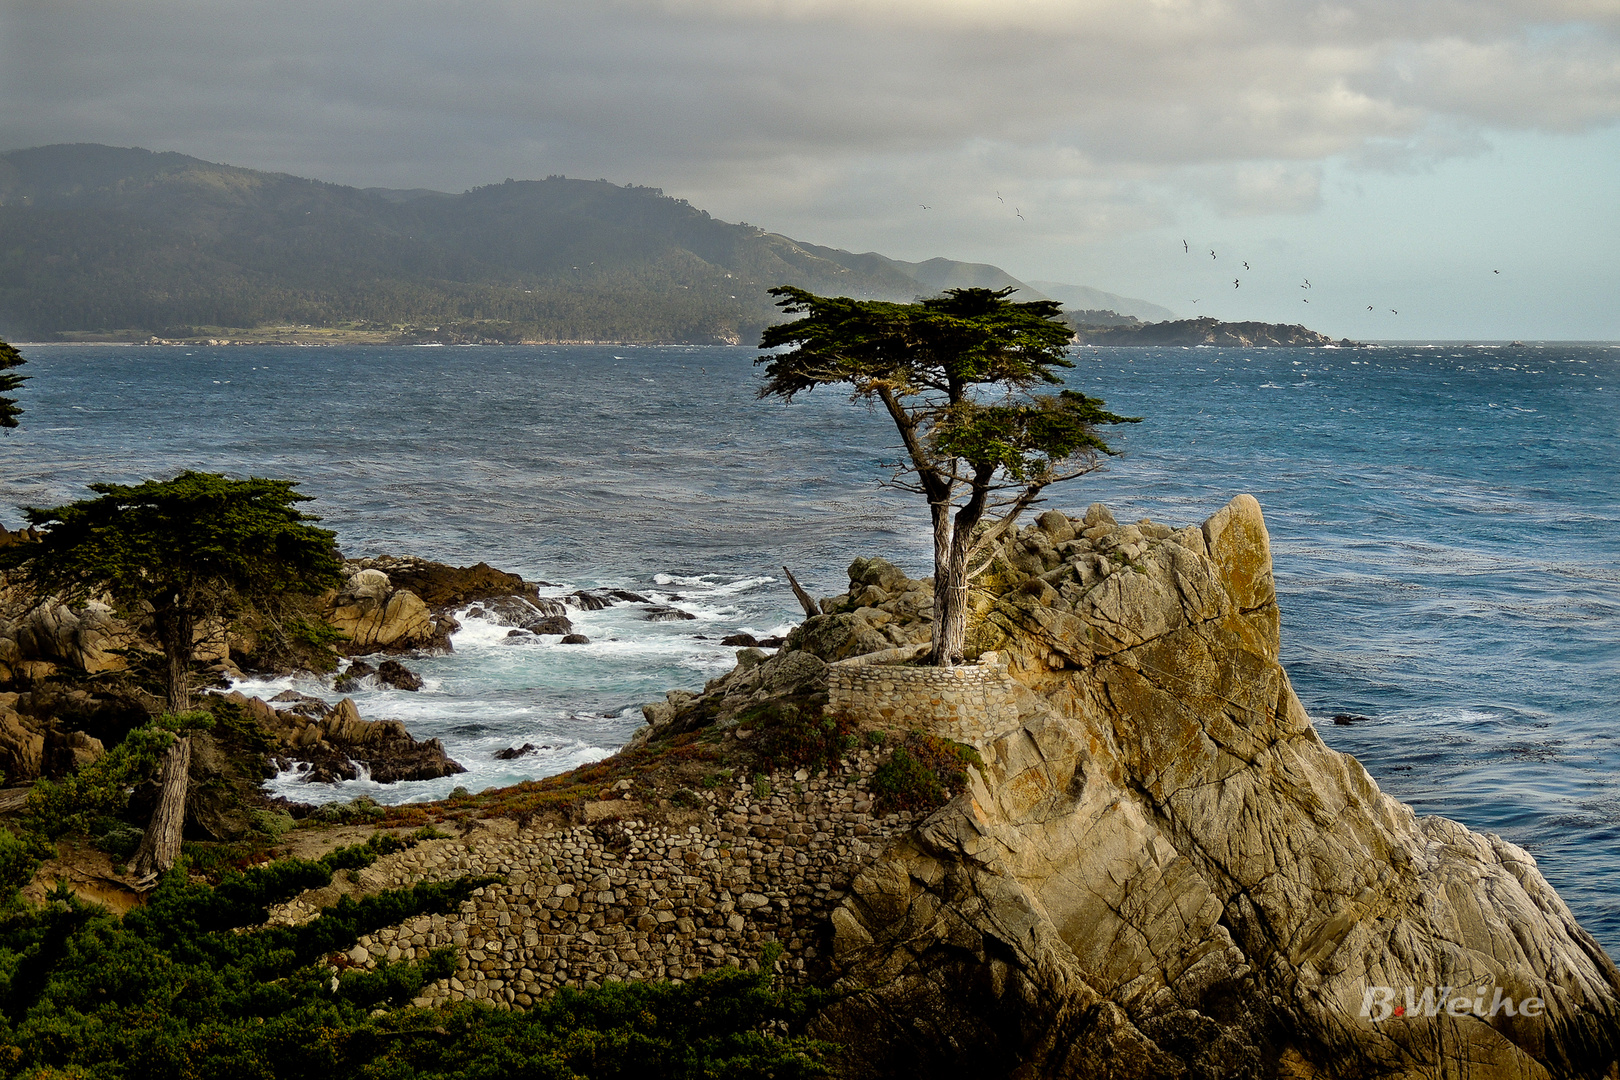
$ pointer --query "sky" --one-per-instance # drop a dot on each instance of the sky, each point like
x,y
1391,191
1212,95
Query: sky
x,y
1454,165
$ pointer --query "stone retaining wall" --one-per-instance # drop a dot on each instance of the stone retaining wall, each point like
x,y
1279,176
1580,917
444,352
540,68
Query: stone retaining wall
x,y
634,900
972,703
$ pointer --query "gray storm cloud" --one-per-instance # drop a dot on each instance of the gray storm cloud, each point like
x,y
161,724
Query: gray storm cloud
x,y
816,106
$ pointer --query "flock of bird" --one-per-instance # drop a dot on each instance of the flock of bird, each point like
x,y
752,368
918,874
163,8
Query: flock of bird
x,y
1186,248
1305,283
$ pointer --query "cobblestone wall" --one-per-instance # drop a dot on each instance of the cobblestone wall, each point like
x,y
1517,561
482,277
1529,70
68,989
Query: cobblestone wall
x,y
972,703
635,900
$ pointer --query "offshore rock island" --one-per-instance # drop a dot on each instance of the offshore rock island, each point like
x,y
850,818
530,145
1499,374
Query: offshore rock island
x,y
1112,846
1204,331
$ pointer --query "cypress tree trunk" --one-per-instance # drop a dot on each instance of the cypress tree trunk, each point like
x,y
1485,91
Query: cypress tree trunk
x,y
946,614
160,845
953,541
950,608
176,633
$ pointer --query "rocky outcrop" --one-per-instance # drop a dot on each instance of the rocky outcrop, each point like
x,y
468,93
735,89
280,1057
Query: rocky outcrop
x,y
444,588
39,638
44,638
388,673
1205,331
334,743
374,615
22,743
1162,870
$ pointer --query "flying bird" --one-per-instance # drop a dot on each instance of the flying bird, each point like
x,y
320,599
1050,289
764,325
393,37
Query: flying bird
x,y
1496,271
1392,311
1234,283
1306,301
1369,307
1185,248
1307,284
1019,213
1212,253
925,207
1195,301
999,199
1245,264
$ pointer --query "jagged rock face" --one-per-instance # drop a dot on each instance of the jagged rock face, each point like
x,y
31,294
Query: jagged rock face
x,y
443,587
374,615
1165,872
333,741
22,743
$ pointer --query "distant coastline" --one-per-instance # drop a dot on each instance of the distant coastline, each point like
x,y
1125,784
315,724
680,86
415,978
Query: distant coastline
x,y
1206,331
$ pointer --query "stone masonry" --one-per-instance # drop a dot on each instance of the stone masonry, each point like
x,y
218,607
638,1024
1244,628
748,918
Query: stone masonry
x,y
971,703
627,899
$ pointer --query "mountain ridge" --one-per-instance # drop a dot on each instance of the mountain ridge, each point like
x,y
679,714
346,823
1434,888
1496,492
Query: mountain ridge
x,y
109,243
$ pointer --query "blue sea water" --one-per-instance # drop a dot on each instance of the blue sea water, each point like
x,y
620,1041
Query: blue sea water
x,y
1445,521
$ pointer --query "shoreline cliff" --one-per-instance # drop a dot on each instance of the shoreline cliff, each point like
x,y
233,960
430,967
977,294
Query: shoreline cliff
x,y
1114,846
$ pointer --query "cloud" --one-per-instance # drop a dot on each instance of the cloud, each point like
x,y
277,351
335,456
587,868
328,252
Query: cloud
x,y
1099,110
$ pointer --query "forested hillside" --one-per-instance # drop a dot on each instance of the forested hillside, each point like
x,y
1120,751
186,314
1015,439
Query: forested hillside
x,y
107,242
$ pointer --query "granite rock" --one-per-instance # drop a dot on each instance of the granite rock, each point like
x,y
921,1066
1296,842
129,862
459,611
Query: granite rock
x,y
1163,871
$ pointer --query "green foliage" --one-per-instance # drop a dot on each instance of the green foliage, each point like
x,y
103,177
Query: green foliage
x,y
85,800
956,374
314,633
184,549
1027,440
185,723
19,857
202,536
791,734
922,773
9,381
177,988
963,338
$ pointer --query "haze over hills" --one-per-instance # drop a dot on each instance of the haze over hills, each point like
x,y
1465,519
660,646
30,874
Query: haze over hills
x,y
1082,298
99,241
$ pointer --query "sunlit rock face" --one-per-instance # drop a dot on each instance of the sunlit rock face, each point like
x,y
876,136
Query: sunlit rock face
x,y
1165,872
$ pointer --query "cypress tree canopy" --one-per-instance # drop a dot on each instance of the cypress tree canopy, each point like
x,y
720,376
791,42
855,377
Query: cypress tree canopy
x,y
9,381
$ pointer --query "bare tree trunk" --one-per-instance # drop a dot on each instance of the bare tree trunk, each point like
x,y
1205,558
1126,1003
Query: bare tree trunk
x,y
160,845
178,684
950,612
176,633
806,601
953,542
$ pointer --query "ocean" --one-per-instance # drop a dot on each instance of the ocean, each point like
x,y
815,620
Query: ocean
x,y
1445,522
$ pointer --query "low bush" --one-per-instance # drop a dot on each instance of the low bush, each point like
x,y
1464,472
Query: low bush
x,y
793,734
178,988
922,773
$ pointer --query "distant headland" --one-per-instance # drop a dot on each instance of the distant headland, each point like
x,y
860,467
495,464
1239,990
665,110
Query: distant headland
x,y
1205,331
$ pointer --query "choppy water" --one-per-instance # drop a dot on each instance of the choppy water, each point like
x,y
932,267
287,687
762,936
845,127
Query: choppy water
x,y
1445,519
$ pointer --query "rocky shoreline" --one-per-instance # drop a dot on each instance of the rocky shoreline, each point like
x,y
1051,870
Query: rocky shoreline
x,y
1143,862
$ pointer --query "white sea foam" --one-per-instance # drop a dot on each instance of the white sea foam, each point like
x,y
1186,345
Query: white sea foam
x,y
497,689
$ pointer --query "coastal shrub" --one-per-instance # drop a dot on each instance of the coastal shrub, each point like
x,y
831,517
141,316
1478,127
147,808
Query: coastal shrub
x,y
792,733
306,642
922,773
99,790
20,856
174,989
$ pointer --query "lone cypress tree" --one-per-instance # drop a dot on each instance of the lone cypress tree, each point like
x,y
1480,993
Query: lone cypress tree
x,y
955,373
174,554
9,358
